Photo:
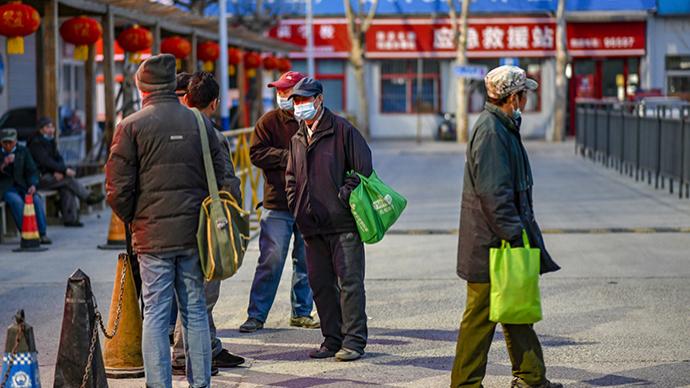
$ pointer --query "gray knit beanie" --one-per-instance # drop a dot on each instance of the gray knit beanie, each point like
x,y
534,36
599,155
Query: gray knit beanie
x,y
157,73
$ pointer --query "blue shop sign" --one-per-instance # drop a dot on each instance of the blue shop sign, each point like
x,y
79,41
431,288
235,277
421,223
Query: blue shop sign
x,y
439,7
673,7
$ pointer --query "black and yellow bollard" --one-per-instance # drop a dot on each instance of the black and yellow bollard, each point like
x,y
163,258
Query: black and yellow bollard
x,y
123,358
20,361
79,354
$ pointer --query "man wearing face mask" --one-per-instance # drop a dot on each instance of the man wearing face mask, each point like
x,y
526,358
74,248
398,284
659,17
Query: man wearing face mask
x,y
497,205
269,152
322,153
55,175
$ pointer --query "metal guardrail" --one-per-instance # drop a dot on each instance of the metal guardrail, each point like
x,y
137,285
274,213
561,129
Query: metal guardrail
x,y
638,140
240,142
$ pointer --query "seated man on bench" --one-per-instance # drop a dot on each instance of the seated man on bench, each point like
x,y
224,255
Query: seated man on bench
x,y
18,178
55,175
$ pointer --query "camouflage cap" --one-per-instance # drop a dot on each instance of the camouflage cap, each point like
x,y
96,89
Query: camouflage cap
x,y
506,80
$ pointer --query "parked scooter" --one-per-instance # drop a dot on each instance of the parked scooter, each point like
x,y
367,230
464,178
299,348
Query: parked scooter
x,y
446,130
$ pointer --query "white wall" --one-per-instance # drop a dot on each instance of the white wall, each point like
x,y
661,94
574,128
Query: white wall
x,y
665,36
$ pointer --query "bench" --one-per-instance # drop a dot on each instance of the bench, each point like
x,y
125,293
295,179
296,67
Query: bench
x,y
94,182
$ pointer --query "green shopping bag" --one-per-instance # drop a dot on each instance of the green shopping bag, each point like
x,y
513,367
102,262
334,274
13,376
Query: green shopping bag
x,y
514,274
375,207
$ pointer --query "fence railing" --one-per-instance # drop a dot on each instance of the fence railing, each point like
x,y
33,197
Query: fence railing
x,y
645,142
240,142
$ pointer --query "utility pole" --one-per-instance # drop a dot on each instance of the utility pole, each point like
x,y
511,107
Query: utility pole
x,y
561,101
223,30
310,38
461,100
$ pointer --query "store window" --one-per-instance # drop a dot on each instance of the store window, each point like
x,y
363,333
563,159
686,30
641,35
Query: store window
x,y
532,66
331,73
678,76
410,86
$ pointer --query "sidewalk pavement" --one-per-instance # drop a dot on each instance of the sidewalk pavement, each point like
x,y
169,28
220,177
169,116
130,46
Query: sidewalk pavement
x,y
616,315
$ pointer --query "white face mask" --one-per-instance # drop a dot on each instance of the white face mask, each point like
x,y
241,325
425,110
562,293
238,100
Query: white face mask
x,y
305,111
284,103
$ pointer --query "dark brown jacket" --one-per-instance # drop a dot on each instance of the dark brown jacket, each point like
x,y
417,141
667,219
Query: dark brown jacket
x,y
155,176
318,187
269,152
496,196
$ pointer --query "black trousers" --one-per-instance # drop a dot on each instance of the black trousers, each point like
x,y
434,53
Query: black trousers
x,y
70,189
335,265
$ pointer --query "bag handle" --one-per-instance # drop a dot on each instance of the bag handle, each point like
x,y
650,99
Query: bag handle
x,y
525,241
206,151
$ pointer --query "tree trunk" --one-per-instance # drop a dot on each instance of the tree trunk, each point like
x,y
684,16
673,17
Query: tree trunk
x,y
462,98
358,66
561,101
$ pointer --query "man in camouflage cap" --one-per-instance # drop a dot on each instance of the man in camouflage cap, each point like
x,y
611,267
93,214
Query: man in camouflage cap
x,y
497,206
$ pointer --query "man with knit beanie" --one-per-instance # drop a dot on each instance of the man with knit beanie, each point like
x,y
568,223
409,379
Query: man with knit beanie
x,y
155,182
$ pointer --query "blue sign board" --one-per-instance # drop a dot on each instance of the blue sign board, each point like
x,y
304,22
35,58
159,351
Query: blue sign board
x,y
471,71
673,7
440,7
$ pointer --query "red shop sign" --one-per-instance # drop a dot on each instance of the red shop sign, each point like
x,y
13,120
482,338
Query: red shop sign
x,y
330,37
606,39
524,37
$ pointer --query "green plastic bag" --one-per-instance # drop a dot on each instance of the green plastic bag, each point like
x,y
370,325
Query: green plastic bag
x,y
514,274
375,207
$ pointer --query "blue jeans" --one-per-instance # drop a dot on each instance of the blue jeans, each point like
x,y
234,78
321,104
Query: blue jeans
x,y
162,276
277,228
15,201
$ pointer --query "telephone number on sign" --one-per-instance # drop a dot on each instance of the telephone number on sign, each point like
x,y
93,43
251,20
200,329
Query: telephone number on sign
x,y
619,42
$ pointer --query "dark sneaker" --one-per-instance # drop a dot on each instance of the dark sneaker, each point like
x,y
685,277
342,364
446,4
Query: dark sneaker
x,y
227,360
74,224
93,199
520,383
322,352
181,370
45,240
346,354
305,322
251,325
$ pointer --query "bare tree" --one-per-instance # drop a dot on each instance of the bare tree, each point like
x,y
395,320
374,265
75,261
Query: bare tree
x,y
561,102
357,25
459,27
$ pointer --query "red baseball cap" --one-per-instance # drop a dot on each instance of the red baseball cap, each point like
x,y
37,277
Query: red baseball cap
x,y
287,80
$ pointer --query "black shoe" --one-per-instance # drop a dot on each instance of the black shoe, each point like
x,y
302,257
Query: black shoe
x,y
520,383
93,199
322,352
74,224
251,325
181,370
227,360
45,240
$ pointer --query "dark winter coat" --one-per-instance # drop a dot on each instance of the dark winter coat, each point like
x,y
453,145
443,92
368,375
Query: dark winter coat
x,y
21,174
269,152
318,190
496,197
155,177
46,155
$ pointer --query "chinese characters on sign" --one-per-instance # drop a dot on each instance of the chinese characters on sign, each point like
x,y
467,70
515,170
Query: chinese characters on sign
x,y
618,38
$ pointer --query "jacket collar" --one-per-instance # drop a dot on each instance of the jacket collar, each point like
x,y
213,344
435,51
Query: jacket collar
x,y
324,128
158,97
502,117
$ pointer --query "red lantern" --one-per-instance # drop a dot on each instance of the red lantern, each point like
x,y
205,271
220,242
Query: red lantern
x,y
81,32
234,59
18,20
252,61
135,39
208,52
270,63
178,47
284,65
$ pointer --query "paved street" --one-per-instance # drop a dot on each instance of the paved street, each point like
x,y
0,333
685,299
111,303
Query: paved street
x,y
615,315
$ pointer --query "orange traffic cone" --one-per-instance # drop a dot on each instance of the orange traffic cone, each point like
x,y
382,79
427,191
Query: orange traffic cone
x,y
123,358
30,239
116,234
